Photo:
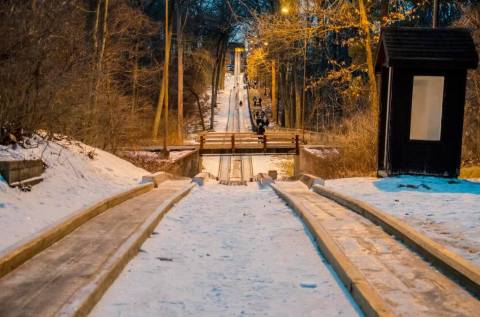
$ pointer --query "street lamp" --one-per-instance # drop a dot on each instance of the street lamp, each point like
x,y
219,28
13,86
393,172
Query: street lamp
x,y
285,10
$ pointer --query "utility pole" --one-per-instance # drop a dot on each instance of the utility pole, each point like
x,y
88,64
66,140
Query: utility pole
x,y
435,13
167,48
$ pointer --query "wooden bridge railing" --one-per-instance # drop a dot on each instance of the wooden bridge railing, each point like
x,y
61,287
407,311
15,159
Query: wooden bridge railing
x,y
233,142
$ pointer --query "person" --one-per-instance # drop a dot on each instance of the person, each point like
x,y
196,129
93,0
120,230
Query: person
x,y
254,101
260,101
261,128
259,119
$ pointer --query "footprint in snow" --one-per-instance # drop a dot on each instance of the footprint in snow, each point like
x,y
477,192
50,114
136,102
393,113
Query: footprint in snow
x,y
308,285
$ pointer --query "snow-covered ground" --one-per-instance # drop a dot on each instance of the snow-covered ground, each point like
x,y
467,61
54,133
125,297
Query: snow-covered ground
x,y
446,210
247,255
71,181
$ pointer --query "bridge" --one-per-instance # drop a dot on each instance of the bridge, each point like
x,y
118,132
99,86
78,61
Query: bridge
x,y
235,143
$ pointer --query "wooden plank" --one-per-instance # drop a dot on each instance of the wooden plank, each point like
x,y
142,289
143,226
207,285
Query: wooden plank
x,y
71,275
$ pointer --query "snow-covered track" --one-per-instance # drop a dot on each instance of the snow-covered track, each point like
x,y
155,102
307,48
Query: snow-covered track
x,y
384,276
460,269
71,275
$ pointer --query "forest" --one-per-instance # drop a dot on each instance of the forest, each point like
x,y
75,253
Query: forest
x,y
97,70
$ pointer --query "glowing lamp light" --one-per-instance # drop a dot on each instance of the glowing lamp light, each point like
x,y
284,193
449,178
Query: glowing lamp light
x,y
285,10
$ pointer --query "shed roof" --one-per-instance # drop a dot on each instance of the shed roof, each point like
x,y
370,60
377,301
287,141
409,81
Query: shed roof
x,y
440,48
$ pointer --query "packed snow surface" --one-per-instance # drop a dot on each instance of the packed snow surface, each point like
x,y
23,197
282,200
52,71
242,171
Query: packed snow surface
x,y
228,251
72,181
447,210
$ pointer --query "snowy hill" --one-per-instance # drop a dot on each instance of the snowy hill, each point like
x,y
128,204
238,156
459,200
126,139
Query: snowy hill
x,y
76,176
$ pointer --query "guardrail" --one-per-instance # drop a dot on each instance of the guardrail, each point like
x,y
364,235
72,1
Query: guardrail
x,y
229,142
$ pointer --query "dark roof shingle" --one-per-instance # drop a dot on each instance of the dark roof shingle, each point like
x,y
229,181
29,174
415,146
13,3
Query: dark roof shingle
x,y
426,48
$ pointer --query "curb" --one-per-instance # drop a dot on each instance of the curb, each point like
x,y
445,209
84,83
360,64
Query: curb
x,y
200,178
19,253
465,273
364,294
89,295
310,180
264,179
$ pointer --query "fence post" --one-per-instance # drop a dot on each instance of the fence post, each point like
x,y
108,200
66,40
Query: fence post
x,y
233,142
297,146
202,141
264,143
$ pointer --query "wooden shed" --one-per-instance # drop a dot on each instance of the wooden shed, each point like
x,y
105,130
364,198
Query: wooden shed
x,y
423,73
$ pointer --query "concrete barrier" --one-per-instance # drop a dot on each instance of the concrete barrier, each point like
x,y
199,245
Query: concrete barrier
x,y
156,178
25,172
310,180
17,254
364,294
264,179
200,178
457,267
322,165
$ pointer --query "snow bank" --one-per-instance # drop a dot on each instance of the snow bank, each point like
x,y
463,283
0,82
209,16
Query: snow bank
x,y
446,210
323,152
72,181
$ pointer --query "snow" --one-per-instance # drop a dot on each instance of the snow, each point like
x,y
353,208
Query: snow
x,y
446,210
323,152
71,181
247,255
221,114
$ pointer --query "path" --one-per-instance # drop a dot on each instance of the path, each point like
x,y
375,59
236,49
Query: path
x,y
228,251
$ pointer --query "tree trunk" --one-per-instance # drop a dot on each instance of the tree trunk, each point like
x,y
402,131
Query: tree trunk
x,y
200,110
298,103
365,25
180,74
213,97
161,97
166,78
220,60
93,81
274,91
135,80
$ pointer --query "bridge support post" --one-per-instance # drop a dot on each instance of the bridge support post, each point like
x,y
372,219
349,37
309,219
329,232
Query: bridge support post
x,y
202,142
297,145
233,142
